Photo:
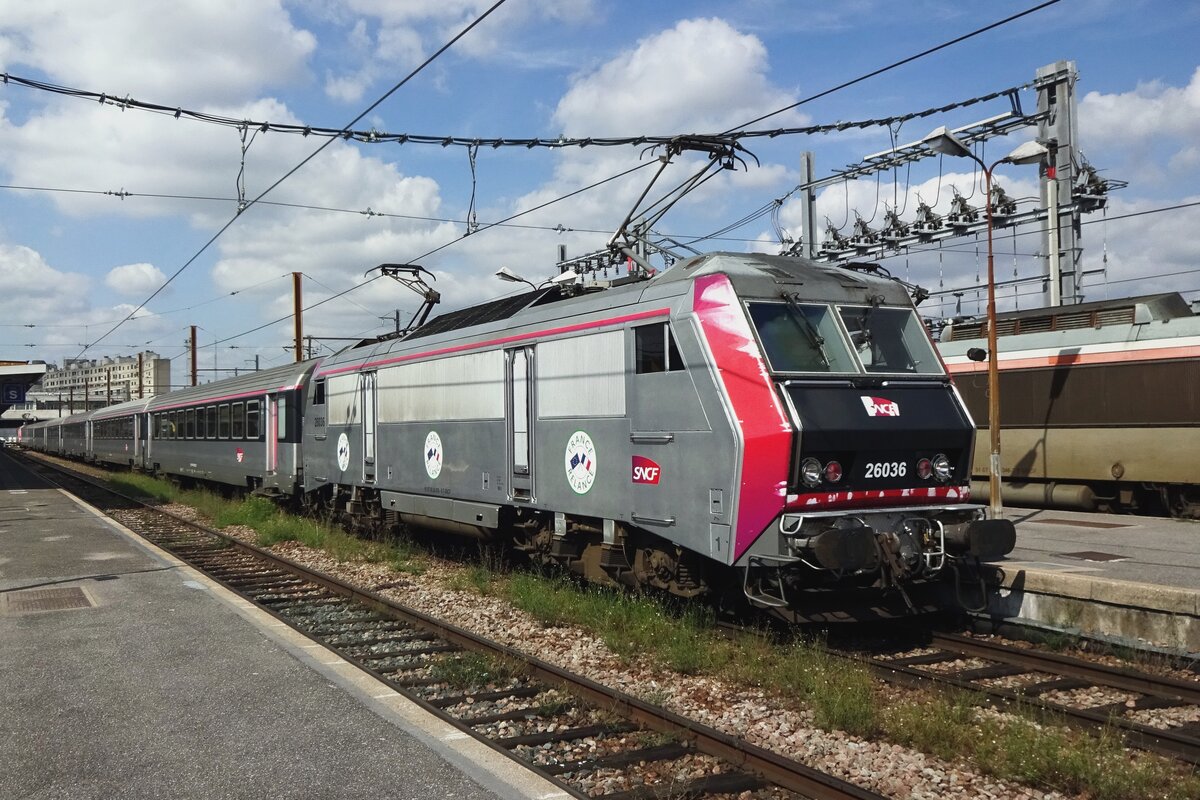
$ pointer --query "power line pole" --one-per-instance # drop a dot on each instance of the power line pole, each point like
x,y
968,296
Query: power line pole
x,y
141,376
193,346
297,312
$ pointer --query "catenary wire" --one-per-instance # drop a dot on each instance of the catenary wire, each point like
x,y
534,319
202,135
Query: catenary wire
x,y
899,63
473,143
304,161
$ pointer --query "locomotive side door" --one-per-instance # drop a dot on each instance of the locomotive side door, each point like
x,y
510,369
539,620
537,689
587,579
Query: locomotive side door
x,y
518,396
366,402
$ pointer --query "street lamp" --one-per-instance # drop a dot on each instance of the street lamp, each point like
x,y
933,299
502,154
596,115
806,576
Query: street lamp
x,y
943,141
506,274
568,277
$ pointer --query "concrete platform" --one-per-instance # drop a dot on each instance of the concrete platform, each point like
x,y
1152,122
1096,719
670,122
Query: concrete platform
x,y
127,674
1131,579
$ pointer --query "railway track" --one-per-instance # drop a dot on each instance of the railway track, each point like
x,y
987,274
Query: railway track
x,y
578,734
1012,676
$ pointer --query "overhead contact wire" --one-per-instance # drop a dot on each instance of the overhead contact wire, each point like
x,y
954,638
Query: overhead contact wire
x,y
296,168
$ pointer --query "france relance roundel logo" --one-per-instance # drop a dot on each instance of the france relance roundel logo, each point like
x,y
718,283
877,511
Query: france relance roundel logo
x,y
433,455
581,462
343,452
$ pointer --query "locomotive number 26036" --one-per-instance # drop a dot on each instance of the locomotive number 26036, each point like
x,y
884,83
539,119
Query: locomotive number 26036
x,y
886,469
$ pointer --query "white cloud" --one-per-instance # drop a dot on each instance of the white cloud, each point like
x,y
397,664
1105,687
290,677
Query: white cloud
x,y
58,305
135,279
1148,133
701,76
220,50
1149,112
697,76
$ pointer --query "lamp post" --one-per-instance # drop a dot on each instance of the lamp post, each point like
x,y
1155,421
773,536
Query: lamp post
x,y
562,279
943,141
506,274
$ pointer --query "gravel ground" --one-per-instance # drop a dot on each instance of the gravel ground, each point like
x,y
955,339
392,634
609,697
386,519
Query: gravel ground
x,y
768,721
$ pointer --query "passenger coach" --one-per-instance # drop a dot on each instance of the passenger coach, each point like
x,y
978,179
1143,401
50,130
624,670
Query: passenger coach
x,y
243,431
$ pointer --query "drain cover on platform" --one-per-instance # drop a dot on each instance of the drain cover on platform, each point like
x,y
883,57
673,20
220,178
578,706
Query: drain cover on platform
x,y
1092,555
43,600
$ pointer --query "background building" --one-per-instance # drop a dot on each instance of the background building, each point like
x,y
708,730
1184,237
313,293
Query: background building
x,y
85,384
107,379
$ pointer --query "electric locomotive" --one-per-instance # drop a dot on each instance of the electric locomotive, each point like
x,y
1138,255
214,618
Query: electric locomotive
x,y
740,422
1100,407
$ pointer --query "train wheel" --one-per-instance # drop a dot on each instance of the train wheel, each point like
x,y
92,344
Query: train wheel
x,y
1184,501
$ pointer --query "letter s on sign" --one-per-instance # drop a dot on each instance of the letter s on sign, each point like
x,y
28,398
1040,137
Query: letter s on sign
x,y
645,470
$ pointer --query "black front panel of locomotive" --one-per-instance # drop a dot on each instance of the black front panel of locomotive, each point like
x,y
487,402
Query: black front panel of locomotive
x,y
879,433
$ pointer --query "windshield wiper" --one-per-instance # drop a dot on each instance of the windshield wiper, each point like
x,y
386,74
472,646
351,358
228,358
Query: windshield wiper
x,y
862,337
814,337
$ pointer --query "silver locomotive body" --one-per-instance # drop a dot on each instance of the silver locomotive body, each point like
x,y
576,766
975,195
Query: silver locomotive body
x,y
665,432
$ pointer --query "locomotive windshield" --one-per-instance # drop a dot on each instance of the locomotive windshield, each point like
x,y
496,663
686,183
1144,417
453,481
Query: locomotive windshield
x,y
890,340
801,338
804,337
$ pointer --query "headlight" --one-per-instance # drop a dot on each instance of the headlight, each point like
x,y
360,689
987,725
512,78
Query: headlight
x,y
810,472
941,468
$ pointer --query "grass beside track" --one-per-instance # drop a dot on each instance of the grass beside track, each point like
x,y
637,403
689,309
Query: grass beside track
x,y
841,695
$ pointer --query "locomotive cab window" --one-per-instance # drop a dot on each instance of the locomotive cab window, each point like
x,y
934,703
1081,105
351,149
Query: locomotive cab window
x,y
655,349
890,340
801,337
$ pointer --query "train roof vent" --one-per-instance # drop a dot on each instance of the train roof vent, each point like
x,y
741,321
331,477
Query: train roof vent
x,y
1035,325
967,330
1070,321
1115,316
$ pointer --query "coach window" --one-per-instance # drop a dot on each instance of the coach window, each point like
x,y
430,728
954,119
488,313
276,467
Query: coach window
x,y
223,421
200,423
239,420
190,425
173,425
210,424
655,349
252,427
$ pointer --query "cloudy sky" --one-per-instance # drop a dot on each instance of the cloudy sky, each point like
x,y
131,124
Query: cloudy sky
x,y
101,202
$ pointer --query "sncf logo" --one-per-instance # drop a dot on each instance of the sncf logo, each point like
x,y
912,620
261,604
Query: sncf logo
x,y
880,407
645,470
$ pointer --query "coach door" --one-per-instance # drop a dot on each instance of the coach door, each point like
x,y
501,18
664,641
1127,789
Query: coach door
x,y
366,402
272,433
519,409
